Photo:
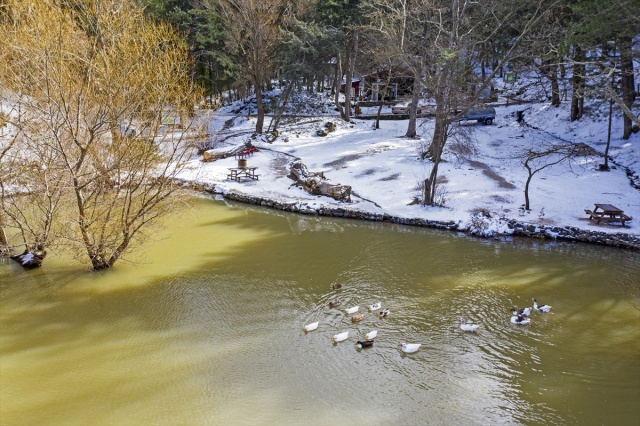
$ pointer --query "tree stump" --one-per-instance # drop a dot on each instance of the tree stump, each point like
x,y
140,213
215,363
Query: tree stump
x,y
30,259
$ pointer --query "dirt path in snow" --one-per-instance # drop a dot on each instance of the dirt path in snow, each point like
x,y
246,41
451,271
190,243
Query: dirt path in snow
x,y
487,171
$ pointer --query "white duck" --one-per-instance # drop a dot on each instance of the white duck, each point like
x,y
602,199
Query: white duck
x,y
341,337
375,306
371,335
520,320
540,308
311,327
525,312
471,328
410,347
351,310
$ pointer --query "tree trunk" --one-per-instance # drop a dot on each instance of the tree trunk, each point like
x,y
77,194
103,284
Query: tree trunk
x,y
426,191
437,145
260,106
430,189
337,84
3,237
627,82
577,83
284,99
552,74
441,124
563,74
413,108
526,187
352,51
4,244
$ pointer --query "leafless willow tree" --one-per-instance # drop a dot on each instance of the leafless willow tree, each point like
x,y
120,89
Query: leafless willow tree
x,y
91,82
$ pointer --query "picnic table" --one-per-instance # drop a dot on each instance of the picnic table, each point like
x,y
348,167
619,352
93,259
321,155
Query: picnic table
x,y
237,173
607,213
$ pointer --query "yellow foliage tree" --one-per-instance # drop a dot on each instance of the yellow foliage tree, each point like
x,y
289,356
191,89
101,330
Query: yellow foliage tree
x,y
90,83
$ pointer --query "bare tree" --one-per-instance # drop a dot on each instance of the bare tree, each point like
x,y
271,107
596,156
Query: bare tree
x,y
544,155
95,80
392,25
454,28
254,34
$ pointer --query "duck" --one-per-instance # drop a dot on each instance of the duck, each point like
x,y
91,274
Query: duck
x,y
336,286
375,306
540,308
311,327
471,328
335,302
351,310
371,335
364,343
340,337
410,348
384,313
525,312
357,317
520,320
521,210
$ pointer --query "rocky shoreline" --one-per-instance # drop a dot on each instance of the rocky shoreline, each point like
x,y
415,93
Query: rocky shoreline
x,y
519,229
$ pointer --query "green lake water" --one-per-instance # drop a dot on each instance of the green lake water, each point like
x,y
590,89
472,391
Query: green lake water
x,y
207,329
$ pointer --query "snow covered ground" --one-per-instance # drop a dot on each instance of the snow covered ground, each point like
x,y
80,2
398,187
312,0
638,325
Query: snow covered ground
x,y
485,173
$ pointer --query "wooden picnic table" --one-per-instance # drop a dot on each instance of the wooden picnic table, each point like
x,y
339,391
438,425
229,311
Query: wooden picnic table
x,y
607,213
237,173
607,209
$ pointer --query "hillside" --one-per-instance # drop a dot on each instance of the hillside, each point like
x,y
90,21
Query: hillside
x,y
482,169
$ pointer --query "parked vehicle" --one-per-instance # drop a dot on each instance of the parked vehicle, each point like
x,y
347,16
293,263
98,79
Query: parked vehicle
x,y
481,115
403,108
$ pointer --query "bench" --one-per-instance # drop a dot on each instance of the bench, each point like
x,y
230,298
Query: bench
x,y
622,219
591,214
247,152
600,217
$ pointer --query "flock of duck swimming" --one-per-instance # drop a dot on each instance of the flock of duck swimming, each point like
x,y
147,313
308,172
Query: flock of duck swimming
x,y
521,316
518,317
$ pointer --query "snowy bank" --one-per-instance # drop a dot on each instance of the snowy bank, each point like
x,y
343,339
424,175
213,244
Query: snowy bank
x,y
482,175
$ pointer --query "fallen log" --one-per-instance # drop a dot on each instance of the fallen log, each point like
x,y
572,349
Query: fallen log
x,y
318,184
212,155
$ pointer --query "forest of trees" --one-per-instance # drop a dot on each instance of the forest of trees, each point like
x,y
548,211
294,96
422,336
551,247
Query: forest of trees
x,y
452,48
76,71
456,44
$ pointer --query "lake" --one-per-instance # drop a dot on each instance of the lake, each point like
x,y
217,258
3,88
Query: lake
x,y
207,328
